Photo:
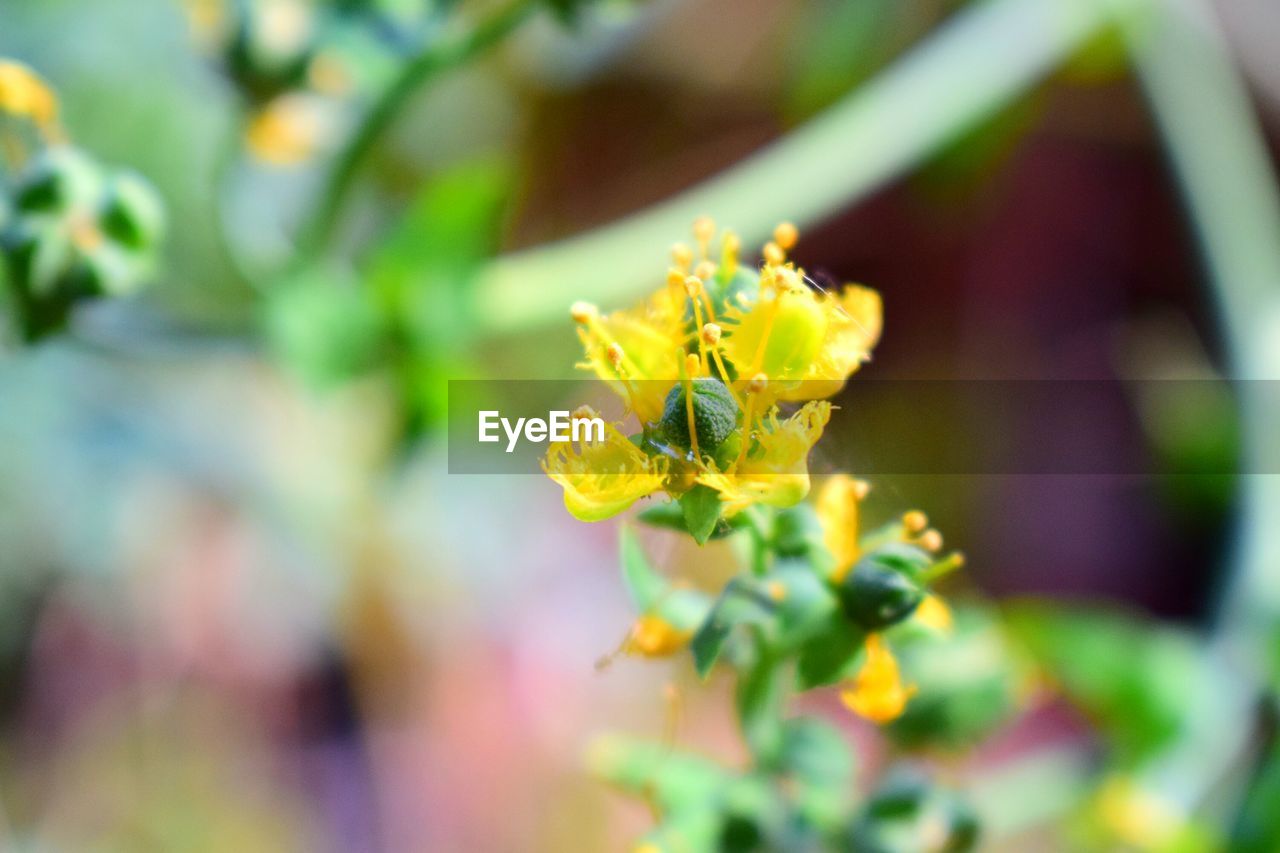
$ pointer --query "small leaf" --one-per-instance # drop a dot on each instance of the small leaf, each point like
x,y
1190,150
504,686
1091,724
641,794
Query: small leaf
x,y
670,516
826,657
702,508
644,584
741,603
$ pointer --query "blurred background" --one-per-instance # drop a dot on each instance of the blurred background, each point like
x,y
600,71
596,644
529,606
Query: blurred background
x,y
244,604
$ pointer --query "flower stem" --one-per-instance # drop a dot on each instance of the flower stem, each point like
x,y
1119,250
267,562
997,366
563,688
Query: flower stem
x,y
440,56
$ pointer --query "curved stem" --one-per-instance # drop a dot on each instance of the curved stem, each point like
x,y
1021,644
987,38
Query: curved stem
x,y
440,56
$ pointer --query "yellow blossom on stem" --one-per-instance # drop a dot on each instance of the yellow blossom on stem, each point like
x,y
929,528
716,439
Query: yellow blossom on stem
x,y
877,692
775,471
601,479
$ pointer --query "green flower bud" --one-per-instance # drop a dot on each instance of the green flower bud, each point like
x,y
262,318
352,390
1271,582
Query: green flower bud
x,y
877,593
132,214
58,180
715,415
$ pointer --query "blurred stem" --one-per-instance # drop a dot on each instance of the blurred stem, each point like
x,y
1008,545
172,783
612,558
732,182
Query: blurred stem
x,y
438,57
1218,152
225,160
945,86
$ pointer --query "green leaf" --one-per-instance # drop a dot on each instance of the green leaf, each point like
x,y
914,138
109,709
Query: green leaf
x,y
670,516
828,654
675,780
817,756
644,584
741,603
1136,679
702,506
759,701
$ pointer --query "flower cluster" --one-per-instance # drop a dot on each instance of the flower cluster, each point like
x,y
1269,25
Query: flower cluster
x,y
726,370
70,228
704,365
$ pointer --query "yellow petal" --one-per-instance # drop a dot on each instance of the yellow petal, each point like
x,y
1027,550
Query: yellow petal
x,y
650,339
652,636
934,613
24,94
837,509
776,471
876,692
602,479
854,323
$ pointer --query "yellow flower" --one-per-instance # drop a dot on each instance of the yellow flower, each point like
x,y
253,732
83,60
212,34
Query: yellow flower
x,y
854,321
775,470
603,478
637,352
286,131
877,692
837,509
652,636
24,94
1136,817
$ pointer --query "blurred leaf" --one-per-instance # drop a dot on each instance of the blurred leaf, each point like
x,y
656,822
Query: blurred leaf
x,y
827,656
644,584
676,781
818,758
966,681
741,603
759,700
324,327
702,506
1135,679
1257,828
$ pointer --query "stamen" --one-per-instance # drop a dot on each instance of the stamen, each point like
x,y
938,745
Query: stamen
x,y
786,235
704,229
756,384
583,312
930,540
729,249
773,254
688,405
705,270
693,287
914,521
682,255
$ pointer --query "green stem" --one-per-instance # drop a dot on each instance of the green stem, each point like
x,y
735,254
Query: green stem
x,y
439,57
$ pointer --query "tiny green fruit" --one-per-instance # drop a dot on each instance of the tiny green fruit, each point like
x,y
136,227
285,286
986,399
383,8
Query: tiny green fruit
x,y
715,414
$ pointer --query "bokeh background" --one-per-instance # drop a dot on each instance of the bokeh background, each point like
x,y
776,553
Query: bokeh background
x,y
244,605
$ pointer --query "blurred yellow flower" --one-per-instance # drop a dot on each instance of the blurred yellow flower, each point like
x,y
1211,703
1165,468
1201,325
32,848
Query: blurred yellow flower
x,y
877,692
601,479
24,94
1136,817
287,131
837,509
652,636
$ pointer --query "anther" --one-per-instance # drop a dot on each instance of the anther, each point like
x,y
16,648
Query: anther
x,y
682,255
914,521
773,254
786,235
758,383
711,334
584,413
615,354
930,540
693,285
583,312
705,270
693,364
704,228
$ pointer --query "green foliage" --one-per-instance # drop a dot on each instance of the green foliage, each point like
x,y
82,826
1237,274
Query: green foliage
x,y
909,812
967,682
670,515
742,602
1136,680
701,507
